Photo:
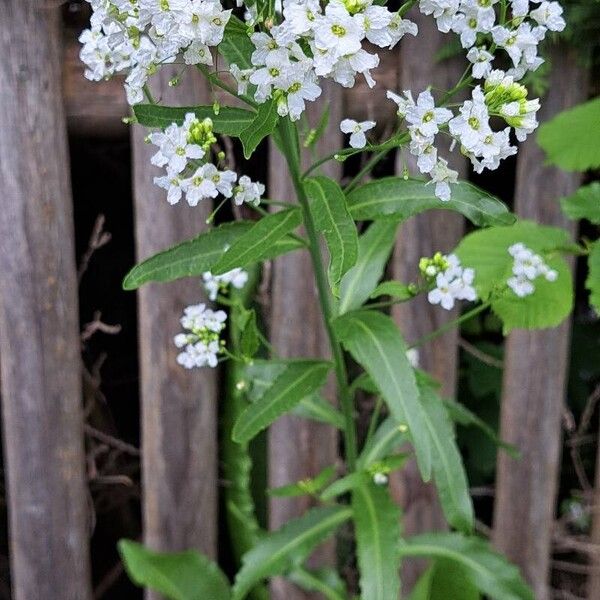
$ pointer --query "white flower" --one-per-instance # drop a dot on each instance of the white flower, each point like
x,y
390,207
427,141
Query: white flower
x,y
213,284
527,267
200,185
413,356
204,21
425,116
174,148
301,15
173,184
472,126
442,293
380,479
357,131
443,176
338,31
197,53
242,78
452,281
549,14
473,20
482,62
444,12
248,191
521,286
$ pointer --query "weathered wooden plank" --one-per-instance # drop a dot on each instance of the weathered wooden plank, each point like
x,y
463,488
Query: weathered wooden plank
x,y
40,359
298,448
535,366
178,407
593,584
423,236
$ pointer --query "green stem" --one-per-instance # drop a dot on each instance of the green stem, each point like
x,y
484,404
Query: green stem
x,y
451,324
289,140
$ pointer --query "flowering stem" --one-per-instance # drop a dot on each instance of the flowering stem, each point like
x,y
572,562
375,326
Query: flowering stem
x,y
451,324
289,141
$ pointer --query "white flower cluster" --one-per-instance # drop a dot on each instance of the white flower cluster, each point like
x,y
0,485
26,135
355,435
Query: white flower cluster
x,y
527,267
137,36
213,284
452,281
499,96
184,152
201,344
315,40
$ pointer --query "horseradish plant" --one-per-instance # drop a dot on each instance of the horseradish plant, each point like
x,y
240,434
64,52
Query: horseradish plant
x,y
272,59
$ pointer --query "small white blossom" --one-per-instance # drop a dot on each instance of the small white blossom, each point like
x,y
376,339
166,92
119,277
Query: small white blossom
x,y
357,131
213,284
248,191
527,267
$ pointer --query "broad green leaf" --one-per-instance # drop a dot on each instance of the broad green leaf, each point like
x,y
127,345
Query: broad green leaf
x,y
328,208
300,378
374,249
486,251
305,486
178,576
445,580
570,140
256,243
395,289
396,197
448,471
377,526
489,571
462,415
228,121
263,124
375,342
278,551
592,282
193,257
389,435
316,408
584,203
236,46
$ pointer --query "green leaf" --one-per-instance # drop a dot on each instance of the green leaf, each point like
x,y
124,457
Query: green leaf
x,y
489,571
325,580
306,486
263,125
341,486
374,249
389,435
256,243
448,471
178,576
584,203
278,551
375,342
316,408
403,198
395,289
377,526
193,257
328,208
299,379
462,415
236,46
445,580
229,120
570,139
486,251
592,282
249,338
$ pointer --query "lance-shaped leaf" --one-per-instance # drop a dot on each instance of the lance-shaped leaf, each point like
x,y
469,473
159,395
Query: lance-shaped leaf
x,y
448,471
316,408
389,435
299,379
396,289
377,526
256,244
236,46
278,551
374,249
262,125
328,208
193,257
445,580
178,576
489,571
403,198
228,121
375,342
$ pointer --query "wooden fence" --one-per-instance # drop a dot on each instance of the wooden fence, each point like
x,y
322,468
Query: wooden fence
x,y
39,354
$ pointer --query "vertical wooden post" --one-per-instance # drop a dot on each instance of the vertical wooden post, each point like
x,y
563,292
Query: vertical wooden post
x,y
423,236
41,386
535,366
298,448
179,425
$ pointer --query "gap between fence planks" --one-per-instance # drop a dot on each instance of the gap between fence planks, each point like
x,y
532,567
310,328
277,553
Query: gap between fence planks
x,y
298,448
423,235
536,365
178,406
41,387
